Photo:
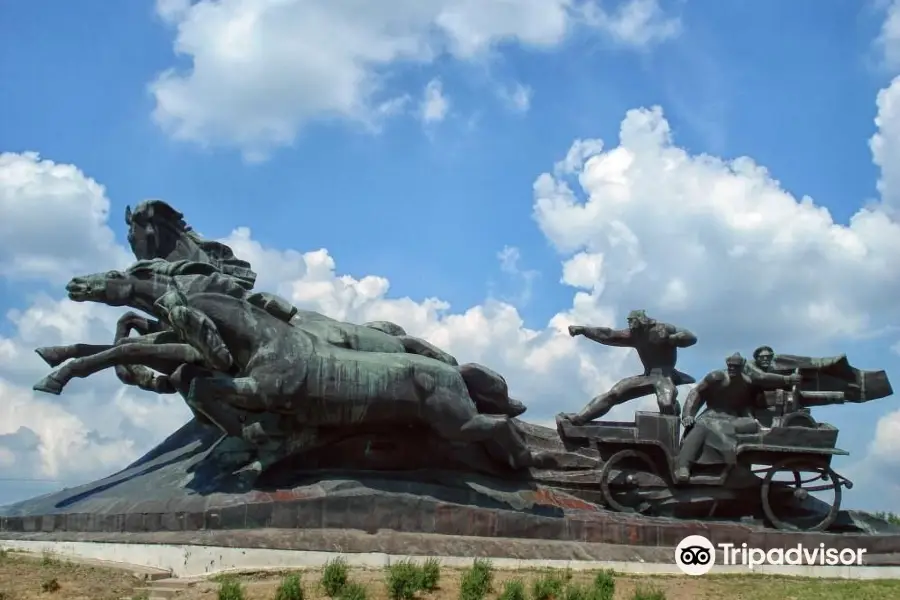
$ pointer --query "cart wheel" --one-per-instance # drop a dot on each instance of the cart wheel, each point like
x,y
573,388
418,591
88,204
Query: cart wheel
x,y
626,498
804,478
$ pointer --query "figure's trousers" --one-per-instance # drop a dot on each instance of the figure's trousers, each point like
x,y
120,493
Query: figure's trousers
x,y
632,388
691,446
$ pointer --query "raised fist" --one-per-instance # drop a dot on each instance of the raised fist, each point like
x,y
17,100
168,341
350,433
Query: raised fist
x,y
576,330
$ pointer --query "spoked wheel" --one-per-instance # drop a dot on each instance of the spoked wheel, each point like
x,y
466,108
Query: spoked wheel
x,y
798,480
626,495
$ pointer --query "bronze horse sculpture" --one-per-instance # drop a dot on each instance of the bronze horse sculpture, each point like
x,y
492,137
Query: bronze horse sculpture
x,y
221,348
164,244
156,231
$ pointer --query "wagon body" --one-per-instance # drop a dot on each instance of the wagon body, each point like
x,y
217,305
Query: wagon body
x,y
651,442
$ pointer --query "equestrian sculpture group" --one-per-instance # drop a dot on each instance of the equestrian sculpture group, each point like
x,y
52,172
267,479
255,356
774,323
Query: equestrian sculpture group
x,y
286,382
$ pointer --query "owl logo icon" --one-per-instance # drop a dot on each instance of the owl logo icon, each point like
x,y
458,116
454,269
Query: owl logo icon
x,y
695,555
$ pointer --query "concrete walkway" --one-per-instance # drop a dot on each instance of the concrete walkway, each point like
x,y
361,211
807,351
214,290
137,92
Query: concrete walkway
x,y
197,561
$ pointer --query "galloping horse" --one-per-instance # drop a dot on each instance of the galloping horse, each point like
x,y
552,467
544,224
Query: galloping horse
x,y
191,277
153,278
143,284
257,362
158,231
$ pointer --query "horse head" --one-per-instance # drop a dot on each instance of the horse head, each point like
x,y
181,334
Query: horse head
x,y
113,288
139,286
153,229
158,231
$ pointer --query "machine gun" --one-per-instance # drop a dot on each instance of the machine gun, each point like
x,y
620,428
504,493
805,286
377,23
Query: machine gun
x,y
789,409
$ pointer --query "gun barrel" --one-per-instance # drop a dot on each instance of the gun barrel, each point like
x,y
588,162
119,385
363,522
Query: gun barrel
x,y
821,398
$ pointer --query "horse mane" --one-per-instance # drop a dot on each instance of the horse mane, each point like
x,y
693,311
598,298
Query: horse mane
x,y
159,266
210,280
221,255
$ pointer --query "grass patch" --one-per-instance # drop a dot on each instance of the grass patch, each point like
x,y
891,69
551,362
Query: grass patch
x,y
892,518
551,585
290,588
769,587
22,576
604,585
335,576
514,589
576,591
404,579
353,591
648,593
50,585
230,588
477,581
431,575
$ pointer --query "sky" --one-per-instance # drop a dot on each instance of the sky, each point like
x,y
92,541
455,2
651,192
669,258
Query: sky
x,y
482,172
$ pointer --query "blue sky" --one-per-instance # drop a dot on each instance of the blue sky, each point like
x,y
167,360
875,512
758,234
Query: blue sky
x,y
788,84
429,206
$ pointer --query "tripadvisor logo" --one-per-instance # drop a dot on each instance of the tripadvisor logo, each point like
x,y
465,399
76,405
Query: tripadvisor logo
x,y
696,555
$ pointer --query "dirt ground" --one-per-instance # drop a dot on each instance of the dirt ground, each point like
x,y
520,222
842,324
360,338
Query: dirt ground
x,y
30,578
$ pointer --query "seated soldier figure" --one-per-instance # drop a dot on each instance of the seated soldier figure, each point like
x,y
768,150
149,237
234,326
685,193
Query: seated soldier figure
x,y
762,359
729,397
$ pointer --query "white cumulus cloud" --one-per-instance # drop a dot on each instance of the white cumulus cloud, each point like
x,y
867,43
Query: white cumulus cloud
x,y
435,104
260,69
54,220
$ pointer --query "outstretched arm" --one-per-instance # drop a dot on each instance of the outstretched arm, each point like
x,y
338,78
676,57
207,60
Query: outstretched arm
x,y
605,335
771,381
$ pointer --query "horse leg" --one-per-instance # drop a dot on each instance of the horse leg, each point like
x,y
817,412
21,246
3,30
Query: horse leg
x,y
146,379
238,407
161,357
142,376
131,321
138,375
57,355
207,407
453,416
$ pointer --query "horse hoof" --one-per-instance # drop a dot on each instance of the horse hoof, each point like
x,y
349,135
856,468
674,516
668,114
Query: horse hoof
x,y
50,355
49,385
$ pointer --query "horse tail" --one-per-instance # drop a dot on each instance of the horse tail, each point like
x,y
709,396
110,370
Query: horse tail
x,y
489,391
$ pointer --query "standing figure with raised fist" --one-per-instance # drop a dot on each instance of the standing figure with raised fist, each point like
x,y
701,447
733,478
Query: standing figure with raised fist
x,y
657,346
